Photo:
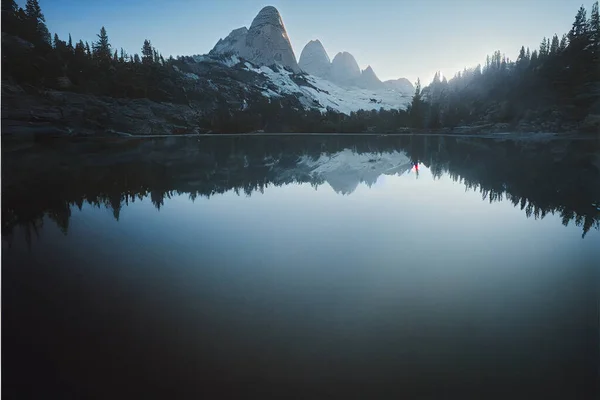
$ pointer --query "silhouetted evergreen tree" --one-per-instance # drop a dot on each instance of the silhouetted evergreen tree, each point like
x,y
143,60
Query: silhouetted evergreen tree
x,y
35,30
554,46
593,27
416,107
563,43
147,52
102,51
579,30
558,84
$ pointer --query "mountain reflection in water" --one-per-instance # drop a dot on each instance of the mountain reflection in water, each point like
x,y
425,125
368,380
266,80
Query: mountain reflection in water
x,y
403,272
540,177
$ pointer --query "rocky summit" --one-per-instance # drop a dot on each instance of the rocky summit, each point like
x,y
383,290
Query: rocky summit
x,y
314,60
344,69
265,43
368,80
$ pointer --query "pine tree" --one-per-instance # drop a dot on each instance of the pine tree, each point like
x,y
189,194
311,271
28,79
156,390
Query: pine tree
x,y
162,60
555,45
579,28
70,44
563,43
102,50
80,49
155,55
147,52
123,56
36,29
534,58
416,107
33,11
593,27
56,41
543,48
116,56
87,49
521,57
44,34
136,58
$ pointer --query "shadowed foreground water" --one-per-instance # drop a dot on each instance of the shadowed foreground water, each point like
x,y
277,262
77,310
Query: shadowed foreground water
x,y
363,267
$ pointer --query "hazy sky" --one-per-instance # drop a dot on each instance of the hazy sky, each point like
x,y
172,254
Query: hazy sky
x,y
398,38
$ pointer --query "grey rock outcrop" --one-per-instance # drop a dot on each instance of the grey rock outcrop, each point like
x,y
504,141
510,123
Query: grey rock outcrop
x,y
235,42
265,43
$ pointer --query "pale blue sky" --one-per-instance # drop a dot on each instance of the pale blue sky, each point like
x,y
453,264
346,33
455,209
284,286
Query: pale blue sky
x,y
398,38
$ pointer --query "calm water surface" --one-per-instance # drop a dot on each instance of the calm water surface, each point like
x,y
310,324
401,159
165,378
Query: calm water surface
x,y
310,267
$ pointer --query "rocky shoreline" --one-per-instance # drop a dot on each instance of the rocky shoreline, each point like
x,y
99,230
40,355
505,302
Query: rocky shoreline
x,y
30,111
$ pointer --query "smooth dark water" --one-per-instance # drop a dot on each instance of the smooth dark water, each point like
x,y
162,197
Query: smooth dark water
x,y
319,267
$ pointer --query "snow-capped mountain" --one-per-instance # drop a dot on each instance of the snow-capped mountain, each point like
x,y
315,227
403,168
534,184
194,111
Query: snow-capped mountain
x,y
265,43
314,60
315,80
343,70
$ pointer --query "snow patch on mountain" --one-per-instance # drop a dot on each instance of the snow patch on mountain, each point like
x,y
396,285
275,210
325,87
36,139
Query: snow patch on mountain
x,y
314,92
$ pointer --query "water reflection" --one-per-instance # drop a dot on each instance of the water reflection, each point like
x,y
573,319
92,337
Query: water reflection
x,y
383,284
539,177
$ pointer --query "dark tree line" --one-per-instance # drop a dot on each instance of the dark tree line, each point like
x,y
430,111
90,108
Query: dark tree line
x,y
95,68
560,81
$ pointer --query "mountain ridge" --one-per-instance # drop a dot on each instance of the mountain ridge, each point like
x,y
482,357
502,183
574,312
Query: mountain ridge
x,y
267,43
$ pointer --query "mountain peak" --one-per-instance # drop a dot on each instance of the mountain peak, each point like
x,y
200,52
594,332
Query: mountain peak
x,y
314,59
265,43
267,16
344,68
369,80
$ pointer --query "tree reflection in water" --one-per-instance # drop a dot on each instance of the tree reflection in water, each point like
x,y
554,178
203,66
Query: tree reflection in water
x,y
540,177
